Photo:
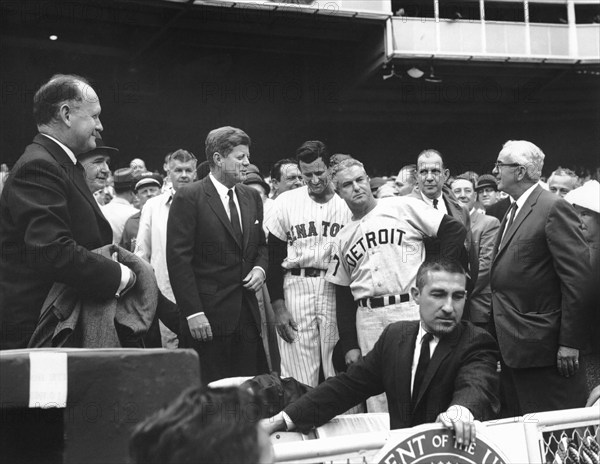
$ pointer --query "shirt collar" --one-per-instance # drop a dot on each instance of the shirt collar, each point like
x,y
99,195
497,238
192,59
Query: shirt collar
x,y
67,150
429,201
422,333
168,195
222,190
523,198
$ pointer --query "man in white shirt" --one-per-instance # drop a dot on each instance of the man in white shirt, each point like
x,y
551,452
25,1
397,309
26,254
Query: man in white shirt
x,y
432,175
121,206
438,369
151,241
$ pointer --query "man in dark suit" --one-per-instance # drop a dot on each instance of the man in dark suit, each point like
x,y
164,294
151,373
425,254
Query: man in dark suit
x,y
438,369
49,219
431,178
217,259
539,286
484,230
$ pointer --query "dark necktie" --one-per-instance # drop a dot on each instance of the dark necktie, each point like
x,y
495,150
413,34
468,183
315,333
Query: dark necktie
x,y
424,358
511,213
234,216
435,203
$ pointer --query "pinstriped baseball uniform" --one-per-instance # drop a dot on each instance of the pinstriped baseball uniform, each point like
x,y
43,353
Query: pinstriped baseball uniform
x,y
310,229
379,256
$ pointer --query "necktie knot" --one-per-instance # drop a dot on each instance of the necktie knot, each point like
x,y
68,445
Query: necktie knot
x,y
427,338
435,203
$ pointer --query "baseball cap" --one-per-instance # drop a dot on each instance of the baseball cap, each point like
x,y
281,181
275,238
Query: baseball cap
x,y
486,180
146,179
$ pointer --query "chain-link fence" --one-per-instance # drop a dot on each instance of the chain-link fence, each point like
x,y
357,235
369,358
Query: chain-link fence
x,y
578,445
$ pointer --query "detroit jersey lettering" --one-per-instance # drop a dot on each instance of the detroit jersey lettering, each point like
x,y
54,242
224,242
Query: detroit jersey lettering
x,y
380,253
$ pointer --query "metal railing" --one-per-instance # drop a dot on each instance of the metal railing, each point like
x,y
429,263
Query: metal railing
x,y
548,437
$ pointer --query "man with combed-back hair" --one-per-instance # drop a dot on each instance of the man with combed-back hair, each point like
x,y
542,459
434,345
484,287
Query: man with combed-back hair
x,y
436,369
302,226
49,219
539,281
217,260
376,259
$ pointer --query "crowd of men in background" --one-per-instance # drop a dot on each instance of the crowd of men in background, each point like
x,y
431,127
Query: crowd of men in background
x,y
302,271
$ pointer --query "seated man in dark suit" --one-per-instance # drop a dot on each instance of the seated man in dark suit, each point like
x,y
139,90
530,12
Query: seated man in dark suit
x,y
438,369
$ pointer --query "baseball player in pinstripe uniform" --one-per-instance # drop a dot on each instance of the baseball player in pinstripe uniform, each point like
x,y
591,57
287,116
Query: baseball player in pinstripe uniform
x,y
377,256
302,226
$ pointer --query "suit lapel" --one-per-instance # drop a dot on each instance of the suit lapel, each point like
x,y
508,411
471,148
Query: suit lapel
x,y
443,349
246,211
525,210
215,203
75,172
406,348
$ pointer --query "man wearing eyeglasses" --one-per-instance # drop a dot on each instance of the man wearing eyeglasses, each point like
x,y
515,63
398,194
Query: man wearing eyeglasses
x,y
539,282
151,241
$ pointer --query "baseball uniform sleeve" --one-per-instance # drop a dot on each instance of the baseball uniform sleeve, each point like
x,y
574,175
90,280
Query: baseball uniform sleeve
x,y
274,221
421,216
338,272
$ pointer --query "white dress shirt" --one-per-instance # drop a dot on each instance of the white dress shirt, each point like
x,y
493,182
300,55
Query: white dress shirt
x,y
433,343
223,192
67,150
441,206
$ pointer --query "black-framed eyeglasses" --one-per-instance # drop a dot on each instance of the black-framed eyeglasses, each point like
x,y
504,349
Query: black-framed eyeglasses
x,y
500,164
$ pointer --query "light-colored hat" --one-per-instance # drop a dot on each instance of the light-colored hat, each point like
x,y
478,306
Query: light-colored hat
x,y
586,196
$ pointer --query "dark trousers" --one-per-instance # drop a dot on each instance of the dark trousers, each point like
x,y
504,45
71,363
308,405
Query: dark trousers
x,y
237,354
537,389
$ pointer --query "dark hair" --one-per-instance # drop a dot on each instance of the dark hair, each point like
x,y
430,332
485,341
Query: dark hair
x,y
430,152
276,169
311,151
49,98
203,425
223,140
438,264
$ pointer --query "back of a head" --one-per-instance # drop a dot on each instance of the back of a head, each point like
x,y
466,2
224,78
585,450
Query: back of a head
x,y
50,96
311,150
201,426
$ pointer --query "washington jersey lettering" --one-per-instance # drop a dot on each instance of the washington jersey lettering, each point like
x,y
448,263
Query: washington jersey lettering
x,y
309,228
